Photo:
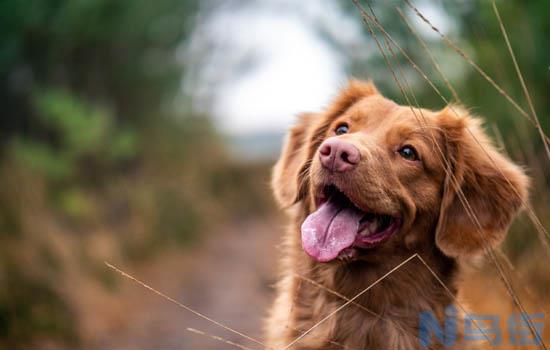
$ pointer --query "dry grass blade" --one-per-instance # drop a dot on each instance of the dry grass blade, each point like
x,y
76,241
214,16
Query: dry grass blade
x,y
520,277
215,337
490,252
499,138
467,58
542,233
429,53
461,196
330,341
297,339
333,292
516,300
164,296
522,81
446,166
343,297
293,303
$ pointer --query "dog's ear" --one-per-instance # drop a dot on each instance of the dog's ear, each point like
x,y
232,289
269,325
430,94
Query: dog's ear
x,y
288,180
483,190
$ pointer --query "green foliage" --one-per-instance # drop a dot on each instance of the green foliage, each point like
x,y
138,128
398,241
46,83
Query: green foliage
x,y
121,54
86,88
176,216
30,309
528,26
474,27
82,133
42,158
83,83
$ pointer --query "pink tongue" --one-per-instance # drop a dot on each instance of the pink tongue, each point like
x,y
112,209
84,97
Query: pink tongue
x,y
329,230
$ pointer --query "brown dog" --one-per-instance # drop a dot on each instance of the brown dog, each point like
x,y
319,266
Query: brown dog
x,y
369,183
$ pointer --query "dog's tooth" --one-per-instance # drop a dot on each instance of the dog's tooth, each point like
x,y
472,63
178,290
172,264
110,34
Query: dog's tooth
x,y
367,230
370,228
373,226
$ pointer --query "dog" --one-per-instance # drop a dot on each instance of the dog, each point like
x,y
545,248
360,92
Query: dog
x,y
367,184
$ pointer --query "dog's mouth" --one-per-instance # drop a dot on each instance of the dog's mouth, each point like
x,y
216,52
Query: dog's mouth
x,y
339,227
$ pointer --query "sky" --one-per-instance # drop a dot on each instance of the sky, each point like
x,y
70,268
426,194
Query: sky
x,y
256,64
268,62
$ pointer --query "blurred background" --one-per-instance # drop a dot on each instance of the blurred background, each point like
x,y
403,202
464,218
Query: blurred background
x,y
142,133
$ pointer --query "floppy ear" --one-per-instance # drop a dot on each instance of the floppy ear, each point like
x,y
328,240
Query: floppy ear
x,y
285,180
493,188
288,179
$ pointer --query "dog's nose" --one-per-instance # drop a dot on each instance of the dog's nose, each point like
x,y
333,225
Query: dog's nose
x,y
338,155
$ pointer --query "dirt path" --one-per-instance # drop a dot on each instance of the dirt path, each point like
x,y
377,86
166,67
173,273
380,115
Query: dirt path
x,y
228,277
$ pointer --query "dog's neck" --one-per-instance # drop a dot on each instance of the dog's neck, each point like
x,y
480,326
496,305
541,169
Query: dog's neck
x,y
387,296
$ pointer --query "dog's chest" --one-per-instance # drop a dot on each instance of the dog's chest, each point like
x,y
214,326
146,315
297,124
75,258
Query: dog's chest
x,y
363,326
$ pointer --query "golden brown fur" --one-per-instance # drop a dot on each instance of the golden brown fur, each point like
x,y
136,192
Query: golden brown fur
x,y
458,163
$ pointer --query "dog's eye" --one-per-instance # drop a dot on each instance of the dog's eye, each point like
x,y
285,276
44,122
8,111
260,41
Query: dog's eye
x,y
408,152
341,129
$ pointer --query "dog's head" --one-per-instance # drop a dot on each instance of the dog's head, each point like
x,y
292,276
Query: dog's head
x,y
372,175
